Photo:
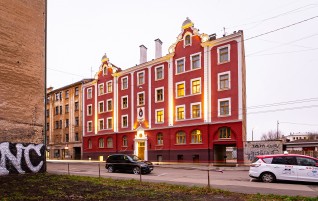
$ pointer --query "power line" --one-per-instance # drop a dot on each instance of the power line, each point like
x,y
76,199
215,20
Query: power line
x,y
65,72
298,123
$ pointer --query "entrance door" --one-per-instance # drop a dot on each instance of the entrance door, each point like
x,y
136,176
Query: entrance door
x,y
141,150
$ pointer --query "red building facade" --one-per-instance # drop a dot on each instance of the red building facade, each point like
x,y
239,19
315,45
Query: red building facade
x,y
188,105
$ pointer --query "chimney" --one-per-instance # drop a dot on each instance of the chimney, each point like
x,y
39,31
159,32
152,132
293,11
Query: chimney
x,y
143,54
158,48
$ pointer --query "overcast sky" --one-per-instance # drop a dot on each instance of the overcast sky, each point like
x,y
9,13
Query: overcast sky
x,y
281,65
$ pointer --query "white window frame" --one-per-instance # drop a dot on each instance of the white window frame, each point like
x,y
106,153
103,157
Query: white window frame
x,y
176,65
138,98
183,82
184,107
163,94
122,102
87,112
99,128
144,77
99,111
184,39
219,85
122,121
156,71
111,82
200,116
110,141
99,85
229,53
89,122
163,116
192,55
122,82
112,122
219,109
109,110
89,94
195,79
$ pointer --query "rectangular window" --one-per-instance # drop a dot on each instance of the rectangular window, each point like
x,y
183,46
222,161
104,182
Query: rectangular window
x,y
159,95
66,94
159,73
141,78
76,137
57,96
224,81
141,99
101,107
76,106
180,66
124,102
109,123
159,116
124,84
60,124
159,139
100,89
89,110
109,86
223,54
61,109
76,91
224,107
225,132
56,124
56,110
89,126
125,121
66,123
76,121
89,93
109,105
196,61
67,109
196,110
196,86
67,138
101,124
180,113
180,89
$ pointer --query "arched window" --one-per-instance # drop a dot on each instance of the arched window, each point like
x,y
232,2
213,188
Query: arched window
x,y
125,141
224,132
159,139
101,143
187,40
196,137
109,142
90,144
181,137
105,70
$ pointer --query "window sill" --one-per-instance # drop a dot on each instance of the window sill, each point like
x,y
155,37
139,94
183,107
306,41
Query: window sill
x,y
223,62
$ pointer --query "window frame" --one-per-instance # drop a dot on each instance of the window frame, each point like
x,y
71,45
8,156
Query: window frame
x,y
122,83
228,46
111,101
111,86
89,93
162,116
191,61
125,141
101,89
177,67
162,72
185,41
122,121
177,112
200,110
156,94
109,142
228,73
193,80
89,128
138,100
159,138
181,139
177,89
101,143
99,124
219,107
196,138
143,77
122,102
109,118
99,107
228,134
91,110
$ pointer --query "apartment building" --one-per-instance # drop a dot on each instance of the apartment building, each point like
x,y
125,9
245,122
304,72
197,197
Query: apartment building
x,y
186,106
64,121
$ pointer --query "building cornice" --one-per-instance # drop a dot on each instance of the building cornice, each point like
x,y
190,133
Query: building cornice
x,y
238,36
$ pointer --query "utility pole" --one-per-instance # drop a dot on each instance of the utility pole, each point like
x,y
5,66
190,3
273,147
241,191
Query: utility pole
x,y
277,129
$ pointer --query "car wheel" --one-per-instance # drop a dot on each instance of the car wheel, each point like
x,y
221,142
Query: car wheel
x,y
268,177
110,169
136,170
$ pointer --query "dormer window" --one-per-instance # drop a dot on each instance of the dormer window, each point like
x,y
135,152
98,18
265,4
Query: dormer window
x,y
105,71
187,40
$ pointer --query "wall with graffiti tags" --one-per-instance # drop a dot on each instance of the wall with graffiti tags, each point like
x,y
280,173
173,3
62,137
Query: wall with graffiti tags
x,y
254,148
20,158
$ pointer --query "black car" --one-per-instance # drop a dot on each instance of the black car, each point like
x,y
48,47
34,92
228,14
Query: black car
x,y
127,163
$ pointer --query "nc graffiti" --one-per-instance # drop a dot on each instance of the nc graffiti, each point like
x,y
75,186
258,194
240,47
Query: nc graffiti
x,y
21,158
254,148
252,154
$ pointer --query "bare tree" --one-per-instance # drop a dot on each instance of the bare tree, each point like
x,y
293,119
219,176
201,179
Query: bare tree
x,y
271,135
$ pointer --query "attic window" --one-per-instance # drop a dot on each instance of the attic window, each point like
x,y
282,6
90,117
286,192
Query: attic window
x,y
105,71
187,40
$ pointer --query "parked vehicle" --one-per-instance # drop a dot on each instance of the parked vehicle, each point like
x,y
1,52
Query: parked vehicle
x,y
293,167
128,163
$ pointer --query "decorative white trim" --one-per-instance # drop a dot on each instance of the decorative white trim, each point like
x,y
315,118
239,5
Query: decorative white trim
x,y
196,79
99,111
170,92
219,109
176,88
176,65
122,82
163,72
115,103
156,93
184,37
144,78
132,110
192,55
240,58
91,93
107,109
229,53
179,106
99,128
163,115
138,98
224,73
112,123
196,103
89,122
87,110
122,121
98,92
107,87
122,102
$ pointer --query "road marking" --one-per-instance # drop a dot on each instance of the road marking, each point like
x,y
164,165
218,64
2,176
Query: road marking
x,y
163,174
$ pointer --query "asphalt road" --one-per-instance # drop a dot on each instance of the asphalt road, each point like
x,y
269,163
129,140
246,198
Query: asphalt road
x,y
229,179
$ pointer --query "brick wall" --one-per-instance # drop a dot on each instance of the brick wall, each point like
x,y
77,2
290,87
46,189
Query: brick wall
x,y
22,40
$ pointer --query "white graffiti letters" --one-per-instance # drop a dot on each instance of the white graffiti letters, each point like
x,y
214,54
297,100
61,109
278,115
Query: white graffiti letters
x,y
17,160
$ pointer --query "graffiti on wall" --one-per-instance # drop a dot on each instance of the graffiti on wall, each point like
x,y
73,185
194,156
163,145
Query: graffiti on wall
x,y
254,148
21,158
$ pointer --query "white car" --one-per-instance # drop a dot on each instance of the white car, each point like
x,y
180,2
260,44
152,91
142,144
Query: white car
x,y
293,167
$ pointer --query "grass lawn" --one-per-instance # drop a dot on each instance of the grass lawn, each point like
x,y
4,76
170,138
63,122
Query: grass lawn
x,y
64,187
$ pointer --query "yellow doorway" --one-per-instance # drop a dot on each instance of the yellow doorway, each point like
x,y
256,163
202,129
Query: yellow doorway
x,y
141,150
